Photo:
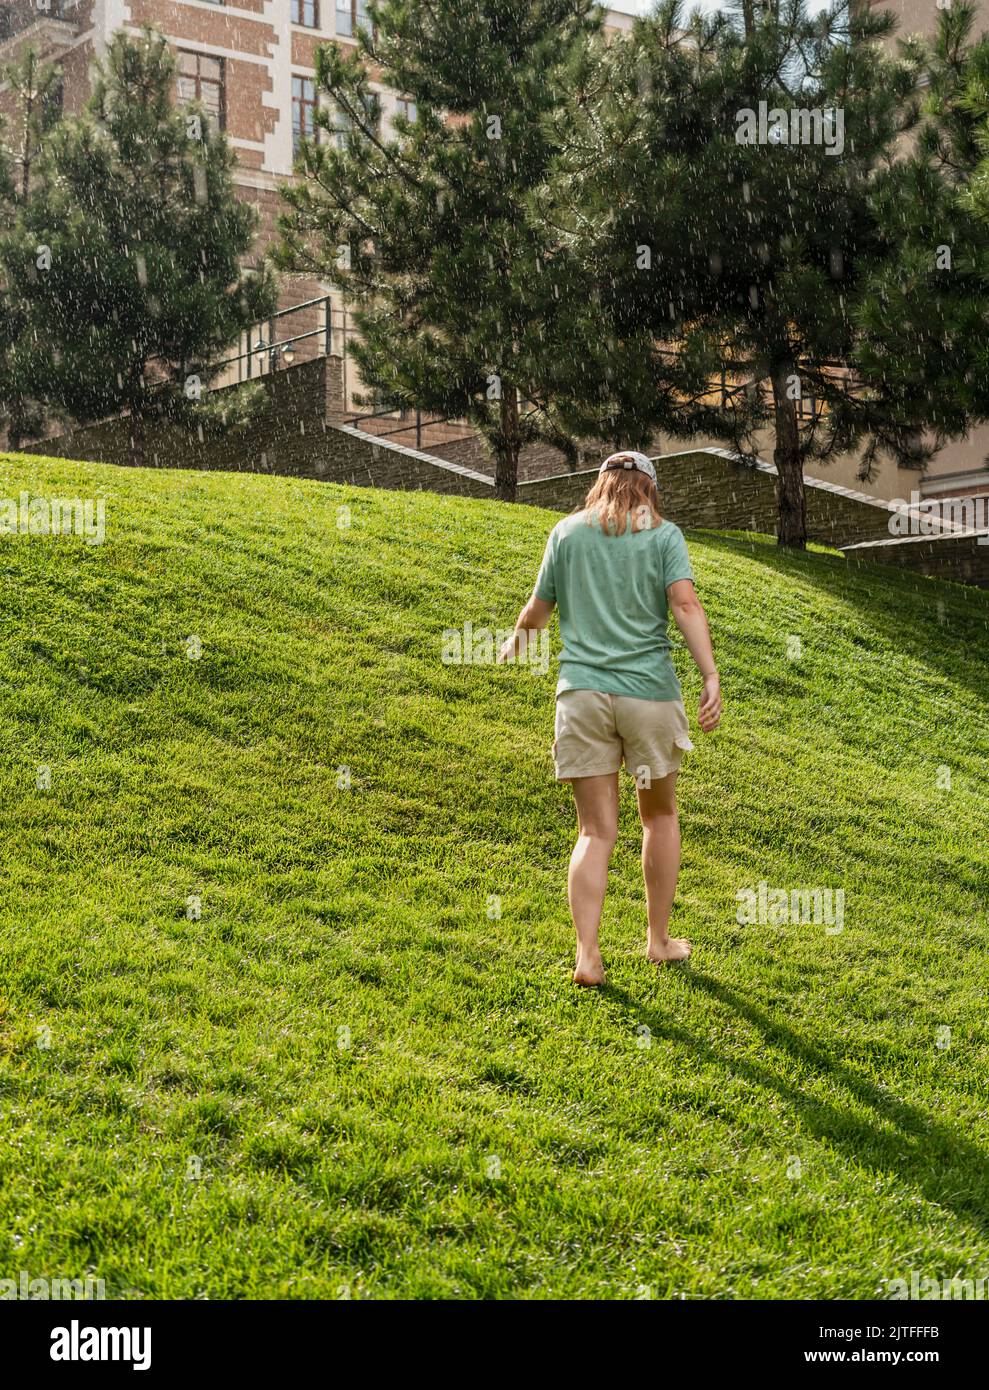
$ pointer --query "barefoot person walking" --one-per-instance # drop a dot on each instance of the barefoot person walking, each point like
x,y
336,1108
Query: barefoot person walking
x,y
616,570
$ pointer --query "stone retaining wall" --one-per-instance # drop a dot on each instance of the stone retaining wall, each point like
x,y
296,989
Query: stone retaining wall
x,y
963,558
701,488
286,437
713,490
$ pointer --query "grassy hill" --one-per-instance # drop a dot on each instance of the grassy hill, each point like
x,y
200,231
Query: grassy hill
x,y
348,1076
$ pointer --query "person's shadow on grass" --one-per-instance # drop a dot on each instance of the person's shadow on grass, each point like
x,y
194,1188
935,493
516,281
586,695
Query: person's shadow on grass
x,y
939,1161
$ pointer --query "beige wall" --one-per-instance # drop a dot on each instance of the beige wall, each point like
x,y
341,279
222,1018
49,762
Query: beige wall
x,y
963,461
960,467
966,456
263,51
915,16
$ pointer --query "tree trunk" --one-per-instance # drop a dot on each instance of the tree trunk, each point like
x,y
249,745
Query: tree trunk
x,y
507,450
26,149
791,529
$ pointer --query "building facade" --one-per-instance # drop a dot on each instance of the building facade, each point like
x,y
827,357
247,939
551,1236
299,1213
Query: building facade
x,y
252,65
961,468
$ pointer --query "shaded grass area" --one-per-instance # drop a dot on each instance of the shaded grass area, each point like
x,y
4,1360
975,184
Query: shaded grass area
x,y
356,1066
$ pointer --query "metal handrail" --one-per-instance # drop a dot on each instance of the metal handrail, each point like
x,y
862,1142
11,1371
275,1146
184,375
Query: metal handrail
x,y
269,347
354,417
272,346
418,425
809,408
306,304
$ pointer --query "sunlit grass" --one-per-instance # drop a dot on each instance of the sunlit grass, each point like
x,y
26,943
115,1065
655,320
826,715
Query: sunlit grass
x,y
348,1076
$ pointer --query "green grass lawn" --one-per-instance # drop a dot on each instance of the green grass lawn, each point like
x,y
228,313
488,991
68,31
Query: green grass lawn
x,y
349,1077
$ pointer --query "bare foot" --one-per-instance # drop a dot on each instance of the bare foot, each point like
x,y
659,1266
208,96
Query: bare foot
x,y
589,970
673,948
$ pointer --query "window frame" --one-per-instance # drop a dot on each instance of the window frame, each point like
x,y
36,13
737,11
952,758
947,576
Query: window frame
x,y
303,105
357,19
299,8
342,124
199,79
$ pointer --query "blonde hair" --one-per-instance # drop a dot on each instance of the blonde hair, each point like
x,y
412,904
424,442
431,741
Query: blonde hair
x,y
619,493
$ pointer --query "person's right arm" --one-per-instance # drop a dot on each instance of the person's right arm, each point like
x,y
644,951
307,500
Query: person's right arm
x,y
690,618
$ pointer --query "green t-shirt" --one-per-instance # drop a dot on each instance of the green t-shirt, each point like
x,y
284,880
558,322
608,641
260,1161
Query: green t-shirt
x,y
611,596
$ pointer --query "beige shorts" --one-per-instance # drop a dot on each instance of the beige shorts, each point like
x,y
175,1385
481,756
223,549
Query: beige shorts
x,y
595,732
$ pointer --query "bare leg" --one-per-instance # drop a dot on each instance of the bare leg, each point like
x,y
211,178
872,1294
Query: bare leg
x,y
661,865
597,822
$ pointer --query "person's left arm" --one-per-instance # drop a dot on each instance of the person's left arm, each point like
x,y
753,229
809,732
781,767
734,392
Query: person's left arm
x,y
534,616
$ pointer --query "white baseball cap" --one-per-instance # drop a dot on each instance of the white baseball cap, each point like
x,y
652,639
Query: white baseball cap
x,y
630,458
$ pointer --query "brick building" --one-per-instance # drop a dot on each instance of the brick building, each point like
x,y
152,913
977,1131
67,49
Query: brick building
x,y
962,467
252,65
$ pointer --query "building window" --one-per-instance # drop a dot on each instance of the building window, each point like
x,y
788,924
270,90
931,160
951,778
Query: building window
x,y
304,105
343,125
405,106
351,15
306,12
201,79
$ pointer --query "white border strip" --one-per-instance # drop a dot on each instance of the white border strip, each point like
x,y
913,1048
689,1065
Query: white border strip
x,y
911,540
403,449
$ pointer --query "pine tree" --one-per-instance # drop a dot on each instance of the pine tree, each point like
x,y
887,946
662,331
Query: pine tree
x,y
440,231
8,332
32,87
128,255
925,314
755,240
